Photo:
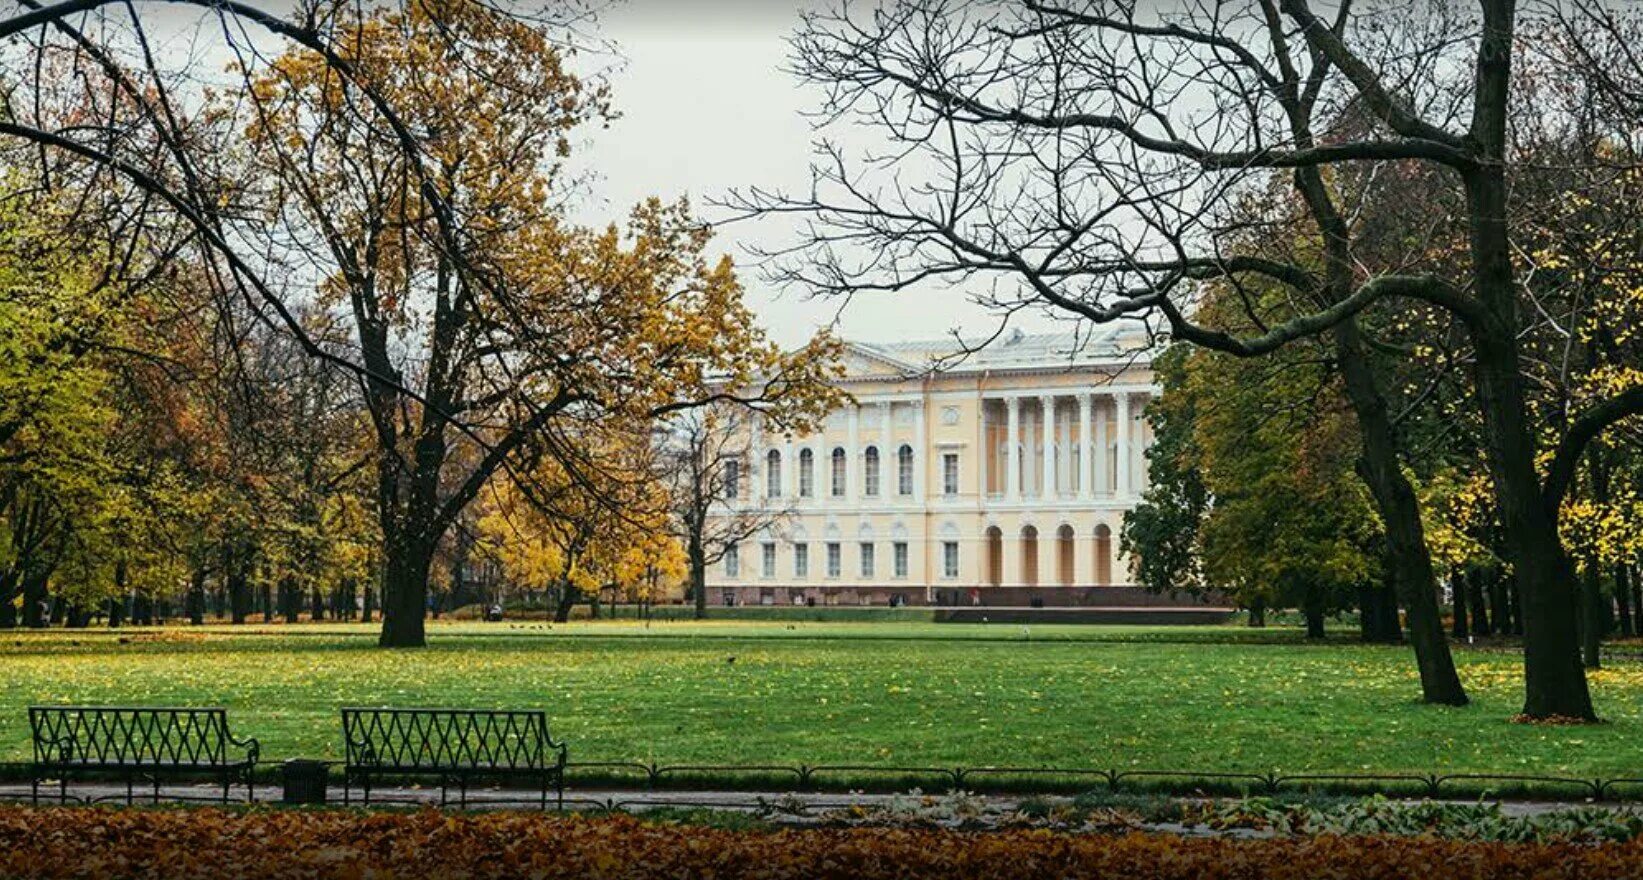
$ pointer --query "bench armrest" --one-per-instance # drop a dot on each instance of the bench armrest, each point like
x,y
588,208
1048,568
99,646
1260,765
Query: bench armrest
x,y
58,749
253,749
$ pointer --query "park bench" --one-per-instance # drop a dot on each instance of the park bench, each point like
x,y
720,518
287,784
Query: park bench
x,y
454,745
132,743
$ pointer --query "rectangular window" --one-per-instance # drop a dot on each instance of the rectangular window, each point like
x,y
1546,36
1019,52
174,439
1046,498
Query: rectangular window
x,y
768,561
949,473
801,560
949,559
733,478
733,561
899,551
867,559
834,559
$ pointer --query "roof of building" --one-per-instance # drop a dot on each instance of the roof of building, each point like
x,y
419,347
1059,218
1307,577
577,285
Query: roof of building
x,y
1015,349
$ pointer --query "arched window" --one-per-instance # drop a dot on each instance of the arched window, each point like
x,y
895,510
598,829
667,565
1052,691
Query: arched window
x,y
807,473
773,474
733,478
870,472
904,470
839,473
1103,554
1064,555
1029,556
995,556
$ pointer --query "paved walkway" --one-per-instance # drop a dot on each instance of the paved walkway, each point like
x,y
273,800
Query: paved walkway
x,y
784,806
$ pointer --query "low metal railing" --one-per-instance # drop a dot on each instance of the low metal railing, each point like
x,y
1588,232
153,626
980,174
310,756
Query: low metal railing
x,y
657,776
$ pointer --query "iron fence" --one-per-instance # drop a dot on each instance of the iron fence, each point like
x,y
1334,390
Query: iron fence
x,y
1004,778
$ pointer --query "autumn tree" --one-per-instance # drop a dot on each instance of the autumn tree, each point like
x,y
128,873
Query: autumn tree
x,y
481,315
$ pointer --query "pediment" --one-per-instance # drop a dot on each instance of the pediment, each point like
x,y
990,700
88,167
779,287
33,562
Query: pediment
x,y
862,362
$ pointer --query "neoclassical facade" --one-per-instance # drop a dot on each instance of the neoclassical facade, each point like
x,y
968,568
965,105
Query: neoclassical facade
x,y
1000,480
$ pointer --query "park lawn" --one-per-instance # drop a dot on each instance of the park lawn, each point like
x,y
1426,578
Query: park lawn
x,y
893,694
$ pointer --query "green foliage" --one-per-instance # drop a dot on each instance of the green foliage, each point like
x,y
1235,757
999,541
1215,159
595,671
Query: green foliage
x,y
1254,490
1456,821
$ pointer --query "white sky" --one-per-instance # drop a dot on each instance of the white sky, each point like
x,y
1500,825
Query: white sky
x,y
706,107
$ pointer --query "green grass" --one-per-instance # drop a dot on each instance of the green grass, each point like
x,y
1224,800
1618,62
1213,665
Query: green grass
x,y
1226,698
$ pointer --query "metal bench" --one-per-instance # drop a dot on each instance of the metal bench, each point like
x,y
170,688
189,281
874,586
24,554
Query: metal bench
x,y
131,743
455,745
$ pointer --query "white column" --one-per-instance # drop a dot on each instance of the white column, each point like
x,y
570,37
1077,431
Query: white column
x,y
1086,452
1012,452
920,462
755,467
1123,428
886,453
1064,481
852,456
984,451
1046,487
1102,484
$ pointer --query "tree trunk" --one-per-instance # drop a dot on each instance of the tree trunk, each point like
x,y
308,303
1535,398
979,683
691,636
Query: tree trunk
x,y
1480,604
8,615
405,596
196,596
267,594
1500,605
1591,627
1408,561
1623,598
567,600
116,611
1457,589
369,605
34,599
239,595
1313,610
698,575
1554,681
316,608
1257,613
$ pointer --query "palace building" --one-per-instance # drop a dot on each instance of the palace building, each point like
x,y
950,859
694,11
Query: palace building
x,y
1001,480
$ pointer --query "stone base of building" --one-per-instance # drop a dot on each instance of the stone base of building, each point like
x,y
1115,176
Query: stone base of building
x,y
1106,597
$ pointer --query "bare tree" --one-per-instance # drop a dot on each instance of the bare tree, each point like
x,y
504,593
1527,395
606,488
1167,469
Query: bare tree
x,y
709,459
1104,156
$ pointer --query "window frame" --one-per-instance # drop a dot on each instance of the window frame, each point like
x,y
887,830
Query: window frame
x,y
807,473
870,471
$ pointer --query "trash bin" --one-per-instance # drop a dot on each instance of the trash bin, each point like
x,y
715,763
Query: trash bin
x,y
304,781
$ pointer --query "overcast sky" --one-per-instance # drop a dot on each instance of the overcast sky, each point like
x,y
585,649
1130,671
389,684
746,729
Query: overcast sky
x,y
706,106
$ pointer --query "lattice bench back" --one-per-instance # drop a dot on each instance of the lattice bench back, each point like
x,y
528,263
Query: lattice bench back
x,y
106,736
419,740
